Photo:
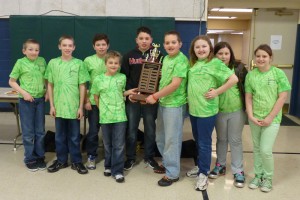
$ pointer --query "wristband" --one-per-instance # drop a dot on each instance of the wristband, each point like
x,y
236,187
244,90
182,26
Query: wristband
x,y
154,97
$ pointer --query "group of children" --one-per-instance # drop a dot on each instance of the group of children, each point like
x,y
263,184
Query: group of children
x,y
211,83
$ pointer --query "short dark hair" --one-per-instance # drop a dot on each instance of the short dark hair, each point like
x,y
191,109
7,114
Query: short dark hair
x,y
173,32
113,54
265,48
221,45
100,36
30,41
143,29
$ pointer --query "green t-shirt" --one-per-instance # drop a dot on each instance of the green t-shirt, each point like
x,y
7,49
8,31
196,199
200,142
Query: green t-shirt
x,y
95,66
111,101
201,78
174,67
66,76
265,88
230,101
31,75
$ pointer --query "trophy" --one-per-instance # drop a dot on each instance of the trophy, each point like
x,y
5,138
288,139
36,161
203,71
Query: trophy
x,y
150,75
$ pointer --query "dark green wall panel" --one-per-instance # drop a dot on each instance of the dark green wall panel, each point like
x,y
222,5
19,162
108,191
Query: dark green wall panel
x,y
85,29
122,32
21,29
52,29
47,30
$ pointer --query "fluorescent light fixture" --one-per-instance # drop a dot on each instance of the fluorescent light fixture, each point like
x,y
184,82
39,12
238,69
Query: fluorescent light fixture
x,y
231,9
237,33
221,17
218,31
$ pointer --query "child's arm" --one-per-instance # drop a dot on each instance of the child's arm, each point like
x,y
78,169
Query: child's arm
x,y
50,94
82,91
276,109
96,97
176,81
249,109
13,83
46,93
87,103
129,92
212,93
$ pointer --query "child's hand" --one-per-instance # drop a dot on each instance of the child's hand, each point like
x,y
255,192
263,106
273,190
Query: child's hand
x,y
267,121
79,113
52,112
212,93
150,99
27,97
255,121
130,99
88,105
131,92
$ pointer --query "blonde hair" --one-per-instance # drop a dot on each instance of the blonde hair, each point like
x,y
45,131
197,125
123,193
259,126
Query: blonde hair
x,y
63,37
112,54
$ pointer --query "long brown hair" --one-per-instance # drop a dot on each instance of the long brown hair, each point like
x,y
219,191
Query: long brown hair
x,y
193,57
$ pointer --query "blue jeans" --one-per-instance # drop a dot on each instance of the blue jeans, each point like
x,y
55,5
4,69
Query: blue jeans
x,y
149,114
114,145
202,128
92,138
169,137
67,140
32,116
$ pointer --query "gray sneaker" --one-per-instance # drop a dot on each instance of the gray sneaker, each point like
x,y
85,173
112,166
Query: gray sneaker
x,y
91,163
255,183
193,172
266,185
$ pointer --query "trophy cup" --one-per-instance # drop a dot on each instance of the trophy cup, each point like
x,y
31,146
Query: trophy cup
x,y
150,75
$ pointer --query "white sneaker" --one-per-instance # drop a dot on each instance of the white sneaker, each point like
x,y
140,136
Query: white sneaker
x,y
202,182
119,178
193,172
107,172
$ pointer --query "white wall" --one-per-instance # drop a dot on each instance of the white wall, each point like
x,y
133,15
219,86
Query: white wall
x,y
187,9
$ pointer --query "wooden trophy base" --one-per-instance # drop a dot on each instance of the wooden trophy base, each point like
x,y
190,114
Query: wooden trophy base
x,y
140,97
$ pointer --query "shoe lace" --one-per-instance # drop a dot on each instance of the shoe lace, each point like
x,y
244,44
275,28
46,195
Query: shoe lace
x,y
217,168
202,178
266,183
118,176
256,180
239,176
194,170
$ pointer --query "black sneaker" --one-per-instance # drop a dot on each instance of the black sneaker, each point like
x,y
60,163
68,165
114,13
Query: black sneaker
x,y
32,166
79,167
151,163
165,181
41,164
129,164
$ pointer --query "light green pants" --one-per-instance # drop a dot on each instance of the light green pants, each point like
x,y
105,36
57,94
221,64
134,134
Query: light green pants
x,y
263,139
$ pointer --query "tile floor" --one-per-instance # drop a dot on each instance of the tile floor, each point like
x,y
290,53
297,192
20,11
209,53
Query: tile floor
x,y
141,183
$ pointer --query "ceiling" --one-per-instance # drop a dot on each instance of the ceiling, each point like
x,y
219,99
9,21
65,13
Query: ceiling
x,y
272,5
